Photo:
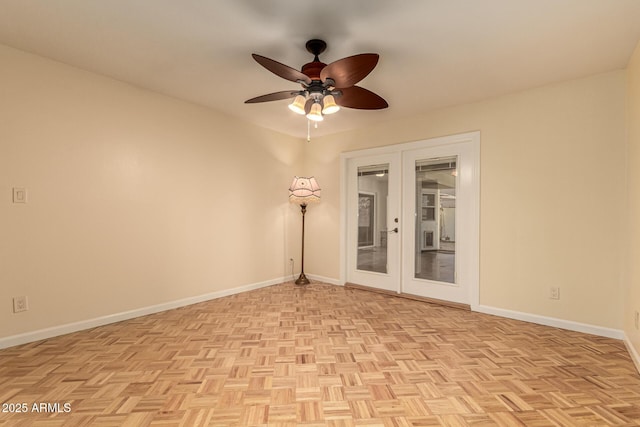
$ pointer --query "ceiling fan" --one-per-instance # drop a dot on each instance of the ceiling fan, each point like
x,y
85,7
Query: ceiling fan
x,y
325,88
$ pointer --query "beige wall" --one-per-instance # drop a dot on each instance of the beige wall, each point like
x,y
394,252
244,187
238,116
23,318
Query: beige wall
x,y
552,195
632,278
135,198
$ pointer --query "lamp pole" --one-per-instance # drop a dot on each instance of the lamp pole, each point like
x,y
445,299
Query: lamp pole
x,y
302,279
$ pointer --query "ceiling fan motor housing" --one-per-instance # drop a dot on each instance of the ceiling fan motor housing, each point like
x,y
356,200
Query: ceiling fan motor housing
x,y
312,69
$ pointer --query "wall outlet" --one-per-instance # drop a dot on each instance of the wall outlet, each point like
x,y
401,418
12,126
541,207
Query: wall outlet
x,y
20,304
554,292
636,319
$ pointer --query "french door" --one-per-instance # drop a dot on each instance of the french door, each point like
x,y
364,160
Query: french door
x,y
373,209
412,218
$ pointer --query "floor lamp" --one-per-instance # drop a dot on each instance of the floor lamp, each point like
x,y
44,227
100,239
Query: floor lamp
x,y
302,192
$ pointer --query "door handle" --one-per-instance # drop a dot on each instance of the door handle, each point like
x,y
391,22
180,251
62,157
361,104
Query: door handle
x,y
395,230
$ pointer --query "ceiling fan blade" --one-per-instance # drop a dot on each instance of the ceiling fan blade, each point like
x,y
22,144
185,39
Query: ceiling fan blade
x,y
350,70
276,96
281,70
360,98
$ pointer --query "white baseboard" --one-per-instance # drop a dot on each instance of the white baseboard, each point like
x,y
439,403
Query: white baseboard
x,y
632,352
68,328
551,321
323,279
533,318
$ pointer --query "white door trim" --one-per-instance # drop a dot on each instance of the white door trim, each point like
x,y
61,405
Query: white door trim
x,y
472,173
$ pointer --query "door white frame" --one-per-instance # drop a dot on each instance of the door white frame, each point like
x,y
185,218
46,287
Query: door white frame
x,y
470,173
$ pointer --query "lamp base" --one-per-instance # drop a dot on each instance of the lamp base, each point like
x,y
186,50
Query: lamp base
x,y
302,280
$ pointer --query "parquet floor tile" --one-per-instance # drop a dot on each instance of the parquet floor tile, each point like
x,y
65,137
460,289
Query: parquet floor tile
x,y
320,355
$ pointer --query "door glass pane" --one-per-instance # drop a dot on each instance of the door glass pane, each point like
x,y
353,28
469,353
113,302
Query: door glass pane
x,y
373,189
435,239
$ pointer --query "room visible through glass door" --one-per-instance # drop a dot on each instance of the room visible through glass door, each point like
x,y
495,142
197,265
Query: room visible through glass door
x,y
435,240
373,189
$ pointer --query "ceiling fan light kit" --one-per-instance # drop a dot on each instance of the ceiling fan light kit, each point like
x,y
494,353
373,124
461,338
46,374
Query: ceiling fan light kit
x,y
325,88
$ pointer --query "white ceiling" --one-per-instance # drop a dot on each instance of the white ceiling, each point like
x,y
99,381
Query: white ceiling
x,y
433,53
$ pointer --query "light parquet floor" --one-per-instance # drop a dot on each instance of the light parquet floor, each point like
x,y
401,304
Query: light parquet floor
x,y
321,355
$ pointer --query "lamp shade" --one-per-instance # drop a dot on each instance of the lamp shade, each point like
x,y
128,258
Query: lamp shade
x,y
330,105
316,113
304,191
297,106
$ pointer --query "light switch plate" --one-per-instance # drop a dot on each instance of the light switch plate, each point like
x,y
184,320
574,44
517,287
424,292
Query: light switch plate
x,y
20,304
19,195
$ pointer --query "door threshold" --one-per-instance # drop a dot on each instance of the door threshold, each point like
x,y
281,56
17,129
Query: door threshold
x,y
444,303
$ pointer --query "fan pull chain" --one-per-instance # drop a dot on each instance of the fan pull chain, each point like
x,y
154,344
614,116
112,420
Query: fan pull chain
x,y
315,126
